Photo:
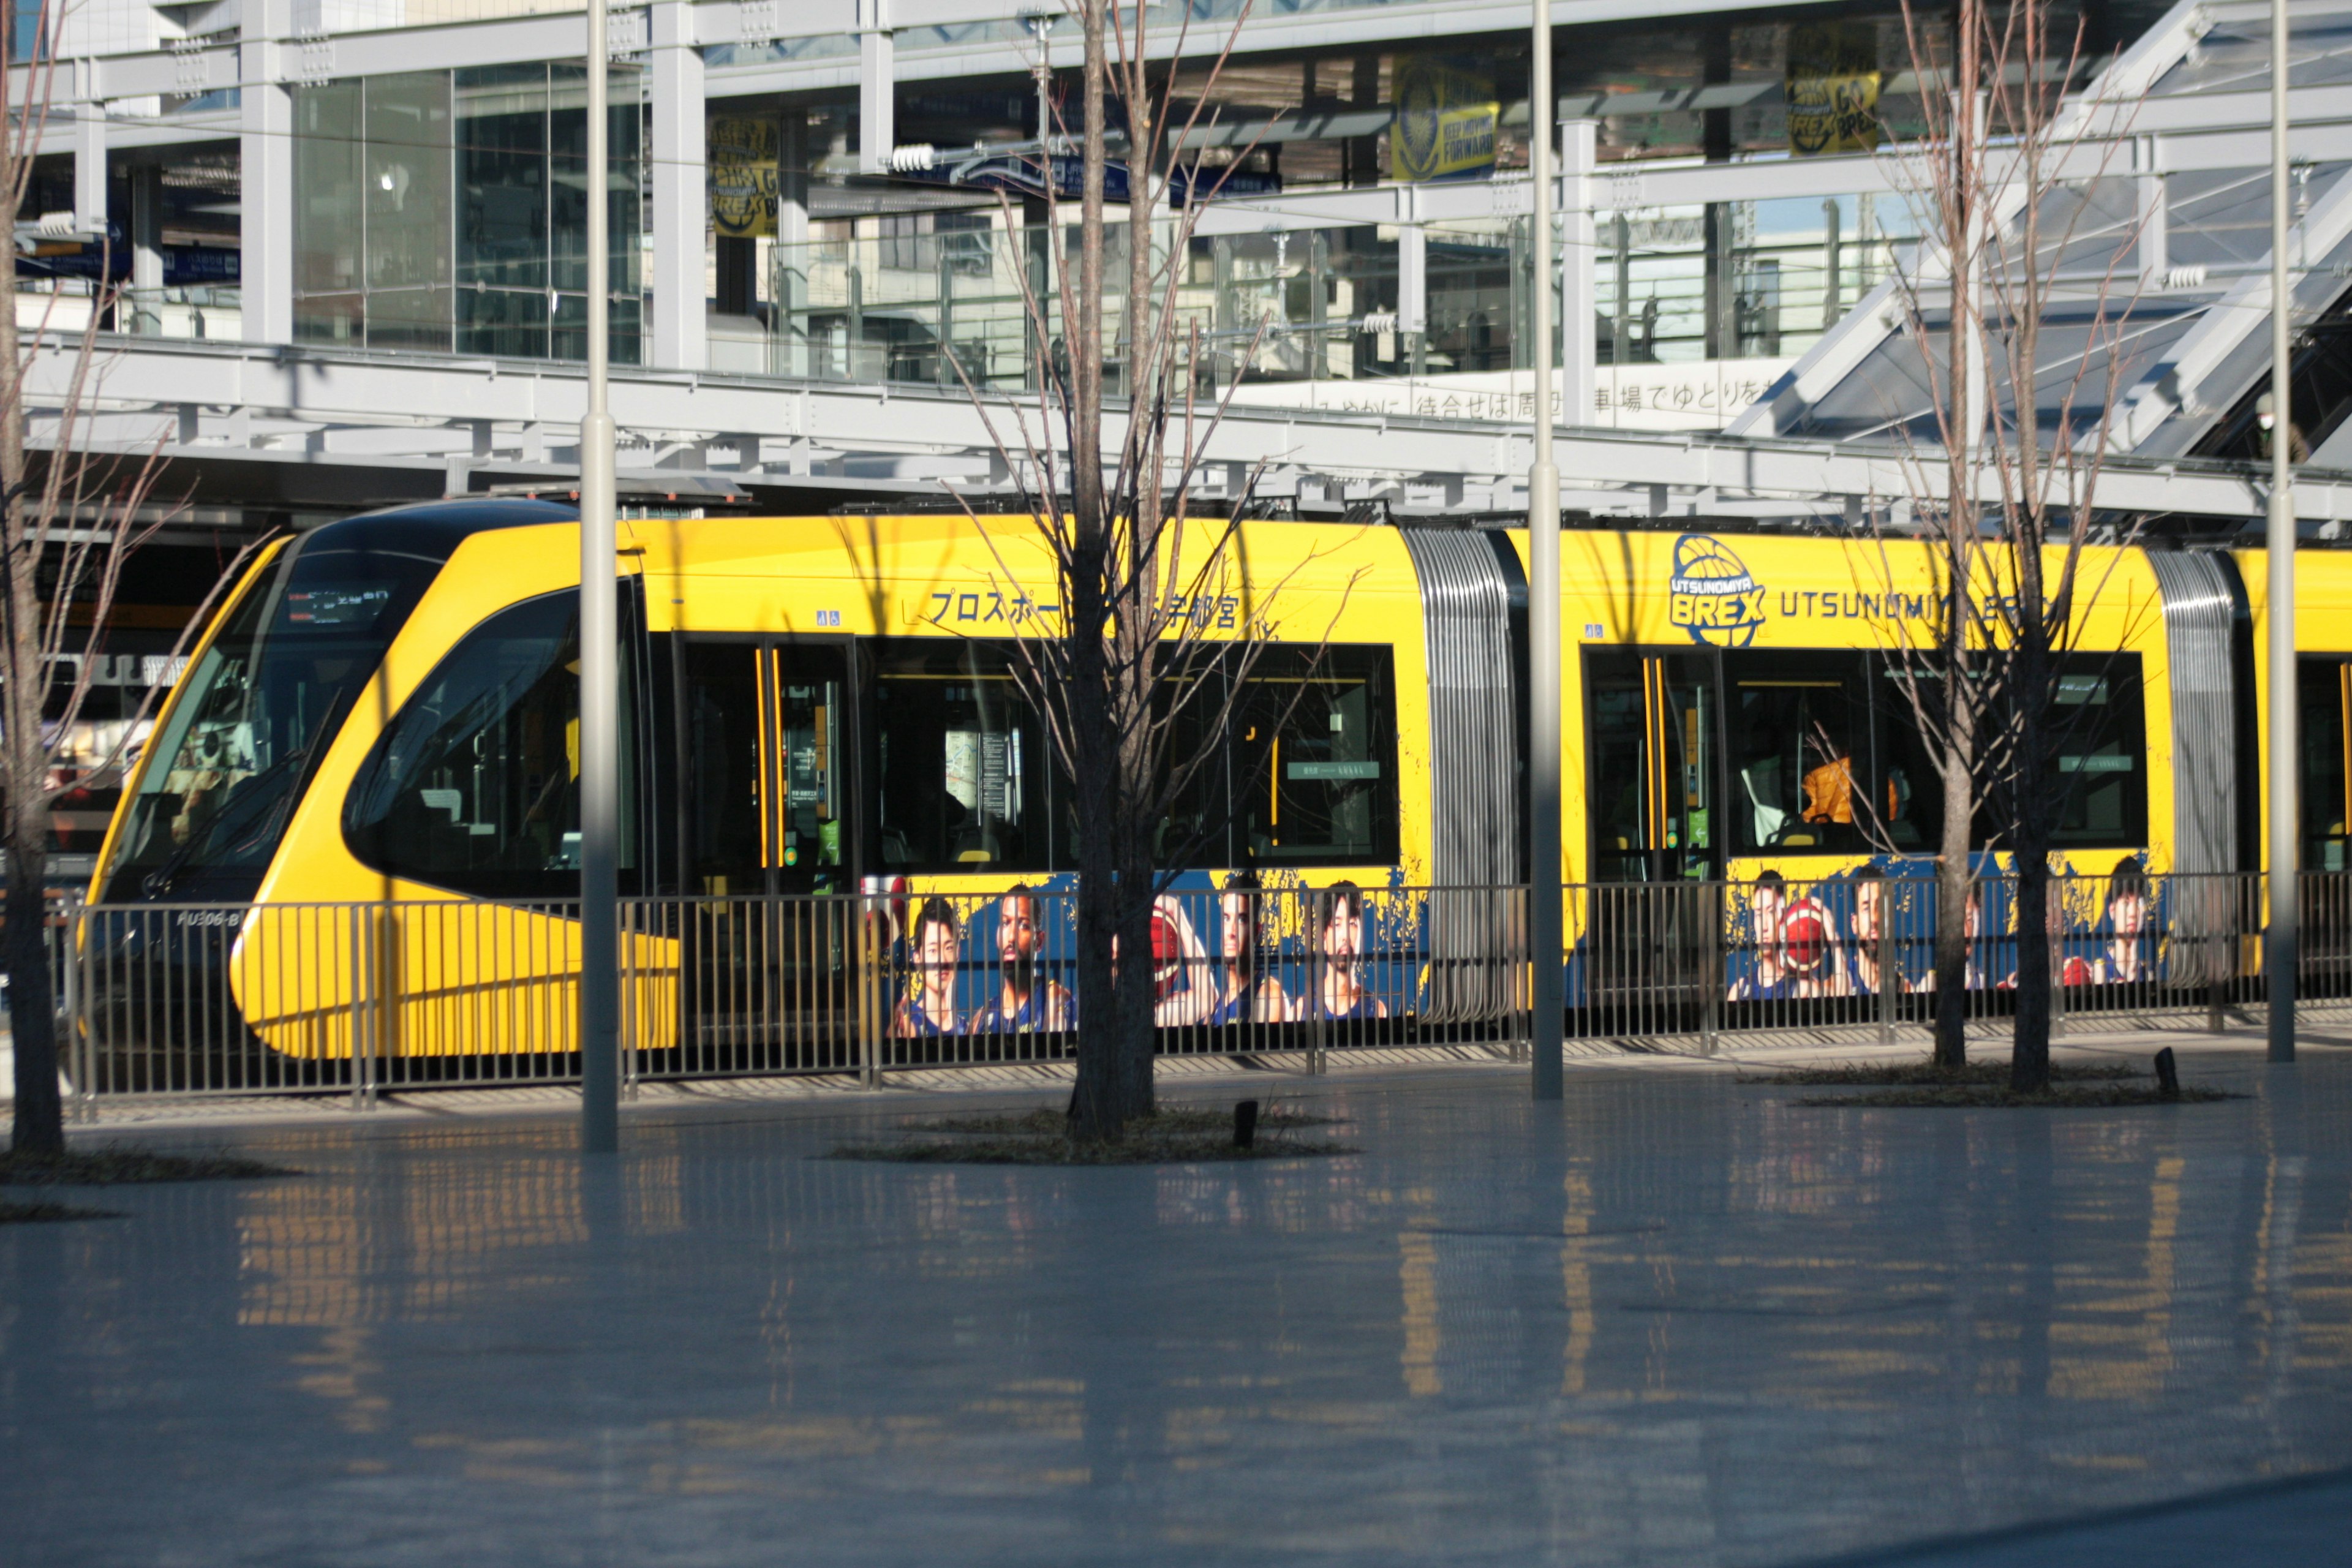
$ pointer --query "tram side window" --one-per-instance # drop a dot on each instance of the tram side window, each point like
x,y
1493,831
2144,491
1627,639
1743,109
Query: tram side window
x,y
2325,698
1909,795
1315,758
1190,703
476,785
1800,743
967,778
2102,745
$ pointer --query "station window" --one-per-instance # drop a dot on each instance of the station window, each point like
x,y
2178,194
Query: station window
x,y
1314,769
968,781
475,787
1800,744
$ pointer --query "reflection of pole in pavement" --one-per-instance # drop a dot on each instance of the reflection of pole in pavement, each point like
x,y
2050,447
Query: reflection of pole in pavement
x,y
2285,1223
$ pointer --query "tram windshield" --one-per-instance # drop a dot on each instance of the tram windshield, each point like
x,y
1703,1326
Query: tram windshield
x,y
257,712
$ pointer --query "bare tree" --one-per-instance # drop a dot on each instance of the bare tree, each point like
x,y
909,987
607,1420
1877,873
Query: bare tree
x,y
2003,188
68,524
1133,672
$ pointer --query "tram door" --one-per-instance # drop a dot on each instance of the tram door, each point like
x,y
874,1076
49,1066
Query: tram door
x,y
764,729
1652,740
1653,758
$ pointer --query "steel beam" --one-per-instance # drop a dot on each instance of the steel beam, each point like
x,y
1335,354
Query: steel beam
x,y
358,389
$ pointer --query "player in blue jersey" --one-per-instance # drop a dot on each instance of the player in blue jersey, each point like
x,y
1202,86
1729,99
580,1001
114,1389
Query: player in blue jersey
x,y
1343,994
1243,995
1026,1002
937,945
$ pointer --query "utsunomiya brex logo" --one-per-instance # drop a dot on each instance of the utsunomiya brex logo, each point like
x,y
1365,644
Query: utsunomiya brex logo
x,y
1711,594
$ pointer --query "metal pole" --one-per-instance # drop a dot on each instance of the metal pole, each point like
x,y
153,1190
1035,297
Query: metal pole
x,y
1543,606
2278,952
599,696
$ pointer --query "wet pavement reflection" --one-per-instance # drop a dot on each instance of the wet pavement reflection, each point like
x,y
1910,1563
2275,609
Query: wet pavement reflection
x,y
1682,1321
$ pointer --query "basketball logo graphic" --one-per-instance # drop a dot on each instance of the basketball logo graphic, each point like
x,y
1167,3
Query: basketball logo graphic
x,y
1712,595
1419,107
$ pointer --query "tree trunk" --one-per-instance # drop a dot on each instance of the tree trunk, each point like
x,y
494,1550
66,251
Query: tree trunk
x,y
2029,1062
39,1121
2034,674
1953,885
1095,1106
1955,876
1110,908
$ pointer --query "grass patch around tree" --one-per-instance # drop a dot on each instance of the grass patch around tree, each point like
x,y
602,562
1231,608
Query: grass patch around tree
x,y
39,1213
115,1165
2073,1085
2057,1097
1047,1121
1926,1074
1174,1135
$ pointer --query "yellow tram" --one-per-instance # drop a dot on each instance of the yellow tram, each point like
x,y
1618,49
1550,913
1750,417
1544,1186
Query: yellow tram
x,y
385,713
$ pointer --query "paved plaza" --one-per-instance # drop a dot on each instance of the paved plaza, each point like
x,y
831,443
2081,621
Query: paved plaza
x,y
1680,1320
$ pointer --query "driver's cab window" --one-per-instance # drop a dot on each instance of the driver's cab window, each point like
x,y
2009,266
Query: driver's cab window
x,y
1800,745
476,785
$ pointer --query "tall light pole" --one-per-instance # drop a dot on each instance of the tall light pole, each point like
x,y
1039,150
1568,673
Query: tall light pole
x,y
600,693
1544,936
2285,857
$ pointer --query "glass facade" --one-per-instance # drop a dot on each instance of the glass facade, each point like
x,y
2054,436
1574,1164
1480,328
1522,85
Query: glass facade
x,y
447,211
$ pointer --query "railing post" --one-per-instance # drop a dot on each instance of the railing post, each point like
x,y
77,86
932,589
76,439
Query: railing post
x,y
68,1010
1890,979
1521,974
2221,948
2222,951
1711,971
874,994
363,999
2054,922
632,1056
1315,1008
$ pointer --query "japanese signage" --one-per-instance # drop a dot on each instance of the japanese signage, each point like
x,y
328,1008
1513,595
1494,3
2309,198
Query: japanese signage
x,y
1700,394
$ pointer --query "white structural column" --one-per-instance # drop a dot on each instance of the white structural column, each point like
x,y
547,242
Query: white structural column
x,y
146,248
1413,278
878,101
1579,285
1545,944
90,159
600,662
265,176
2285,757
788,338
2155,216
681,334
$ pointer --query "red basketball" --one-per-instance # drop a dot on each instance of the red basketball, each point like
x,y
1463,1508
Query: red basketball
x,y
1805,936
1166,955
2075,973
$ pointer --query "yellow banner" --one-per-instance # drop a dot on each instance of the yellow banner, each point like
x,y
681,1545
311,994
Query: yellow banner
x,y
740,155
1832,89
1444,126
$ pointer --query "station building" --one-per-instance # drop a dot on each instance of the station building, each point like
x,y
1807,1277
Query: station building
x,y
351,237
